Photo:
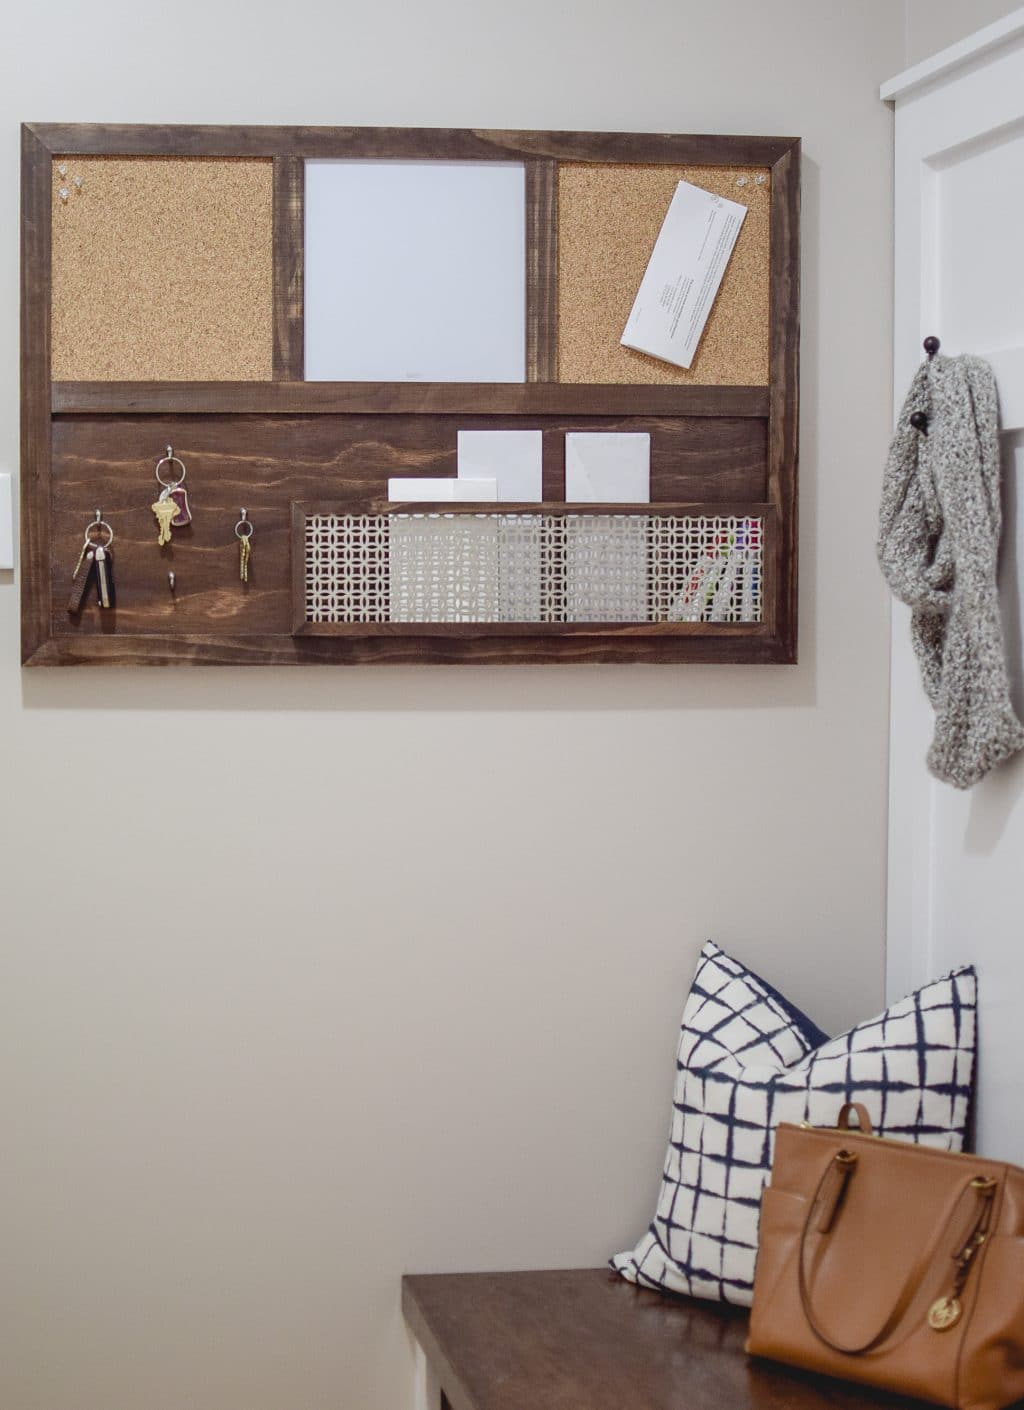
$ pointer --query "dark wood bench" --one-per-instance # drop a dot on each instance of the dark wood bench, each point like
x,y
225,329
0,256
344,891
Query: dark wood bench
x,y
587,1340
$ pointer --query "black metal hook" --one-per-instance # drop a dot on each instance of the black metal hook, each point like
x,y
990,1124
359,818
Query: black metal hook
x,y
919,419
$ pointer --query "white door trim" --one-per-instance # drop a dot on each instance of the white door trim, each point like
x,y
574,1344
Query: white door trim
x,y
964,51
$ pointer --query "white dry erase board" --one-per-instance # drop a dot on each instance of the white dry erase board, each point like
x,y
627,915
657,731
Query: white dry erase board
x,y
415,271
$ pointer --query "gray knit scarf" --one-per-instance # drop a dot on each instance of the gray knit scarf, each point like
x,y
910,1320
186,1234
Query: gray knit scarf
x,y
938,544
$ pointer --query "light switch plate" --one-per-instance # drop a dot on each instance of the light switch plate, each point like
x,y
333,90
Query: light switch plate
x,y
6,523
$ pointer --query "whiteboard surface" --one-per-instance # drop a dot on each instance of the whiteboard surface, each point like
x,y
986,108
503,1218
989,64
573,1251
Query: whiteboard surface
x,y
415,271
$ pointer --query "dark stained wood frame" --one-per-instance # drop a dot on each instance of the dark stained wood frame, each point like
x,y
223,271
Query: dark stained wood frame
x,y
289,259
773,640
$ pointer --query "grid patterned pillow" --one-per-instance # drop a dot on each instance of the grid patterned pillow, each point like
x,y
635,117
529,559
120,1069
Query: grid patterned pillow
x,y
747,1060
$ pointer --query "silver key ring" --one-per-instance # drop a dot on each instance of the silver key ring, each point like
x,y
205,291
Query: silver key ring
x,y
170,459
98,523
243,523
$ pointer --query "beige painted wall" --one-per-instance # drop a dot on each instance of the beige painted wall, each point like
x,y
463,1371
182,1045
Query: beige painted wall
x,y
935,24
386,975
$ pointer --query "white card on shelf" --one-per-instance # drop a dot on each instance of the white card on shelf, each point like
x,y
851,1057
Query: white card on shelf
x,y
608,467
428,489
685,269
514,458
6,523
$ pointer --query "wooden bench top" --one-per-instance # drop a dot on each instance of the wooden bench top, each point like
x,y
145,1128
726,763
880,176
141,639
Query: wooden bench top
x,y
585,1339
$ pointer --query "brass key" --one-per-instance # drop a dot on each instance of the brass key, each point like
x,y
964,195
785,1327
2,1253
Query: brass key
x,y
165,511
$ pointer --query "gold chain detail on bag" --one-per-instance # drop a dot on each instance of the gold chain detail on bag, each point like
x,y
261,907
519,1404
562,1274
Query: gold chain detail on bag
x,y
945,1312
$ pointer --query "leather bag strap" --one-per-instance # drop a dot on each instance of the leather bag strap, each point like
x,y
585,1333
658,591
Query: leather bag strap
x,y
843,1123
825,1205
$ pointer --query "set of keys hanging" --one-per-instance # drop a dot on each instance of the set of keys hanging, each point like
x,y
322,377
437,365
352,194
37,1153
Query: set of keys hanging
x,y
95,565
171,505
171,511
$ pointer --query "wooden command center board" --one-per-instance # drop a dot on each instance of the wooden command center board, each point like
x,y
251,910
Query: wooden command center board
x,y
163,304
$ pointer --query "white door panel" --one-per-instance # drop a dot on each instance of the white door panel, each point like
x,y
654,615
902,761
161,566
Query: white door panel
x,y
956,861
977,212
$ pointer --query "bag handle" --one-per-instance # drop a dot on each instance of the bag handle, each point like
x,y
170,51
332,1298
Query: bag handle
x,y
825,1204
865,1128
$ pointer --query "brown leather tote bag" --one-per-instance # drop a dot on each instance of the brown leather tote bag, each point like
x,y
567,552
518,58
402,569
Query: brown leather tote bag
x,y
892,1264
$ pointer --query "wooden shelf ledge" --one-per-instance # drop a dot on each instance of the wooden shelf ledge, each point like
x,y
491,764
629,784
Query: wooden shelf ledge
x,y
402,399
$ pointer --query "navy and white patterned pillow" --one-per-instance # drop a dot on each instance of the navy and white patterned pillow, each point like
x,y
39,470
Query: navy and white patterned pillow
x,y
747,1060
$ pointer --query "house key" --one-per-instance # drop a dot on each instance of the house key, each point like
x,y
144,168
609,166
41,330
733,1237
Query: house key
x,y
165,511
104,565
171,508
243,533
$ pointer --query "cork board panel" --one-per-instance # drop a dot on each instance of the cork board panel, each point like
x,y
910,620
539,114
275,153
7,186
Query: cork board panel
x,y
162,269
609,216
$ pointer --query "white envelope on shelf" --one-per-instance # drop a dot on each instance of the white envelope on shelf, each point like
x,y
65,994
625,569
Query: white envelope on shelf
x,y
608,467
514,458
428,489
